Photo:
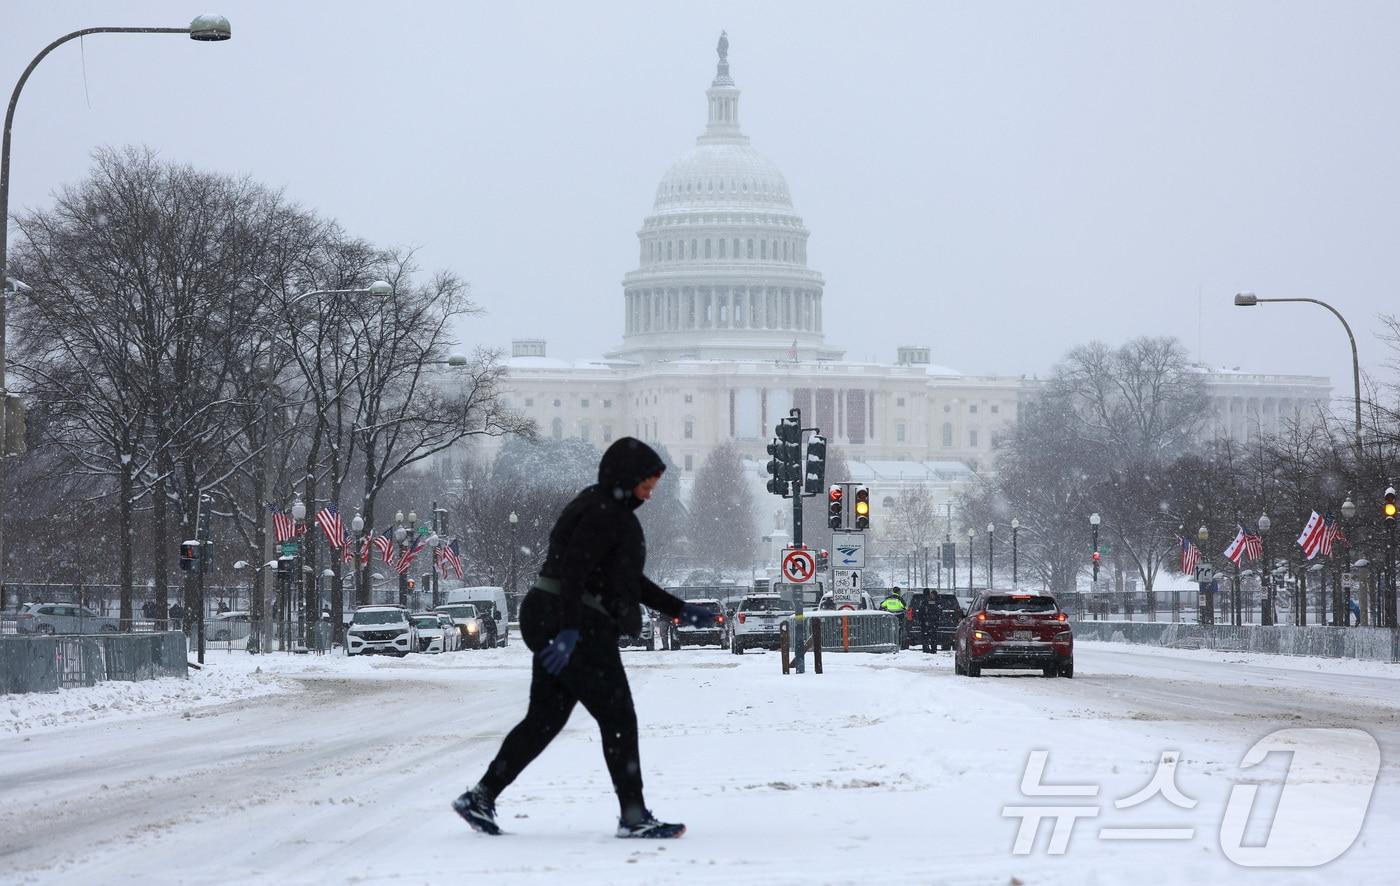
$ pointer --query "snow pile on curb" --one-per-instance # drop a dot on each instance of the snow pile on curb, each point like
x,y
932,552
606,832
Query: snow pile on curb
x,y
119,699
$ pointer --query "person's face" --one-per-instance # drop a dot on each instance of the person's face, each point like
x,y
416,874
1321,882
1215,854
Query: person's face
x,y
643,489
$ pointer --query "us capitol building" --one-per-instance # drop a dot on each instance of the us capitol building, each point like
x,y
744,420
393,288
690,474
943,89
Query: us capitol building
x,y
722,334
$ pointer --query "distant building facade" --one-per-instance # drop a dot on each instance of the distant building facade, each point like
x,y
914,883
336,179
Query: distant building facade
x,y
723,334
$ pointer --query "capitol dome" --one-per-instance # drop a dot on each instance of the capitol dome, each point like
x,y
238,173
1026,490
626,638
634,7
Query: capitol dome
x,y
723,264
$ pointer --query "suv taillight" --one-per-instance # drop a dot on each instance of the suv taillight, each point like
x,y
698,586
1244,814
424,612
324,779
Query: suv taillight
x,y
742,616
719,619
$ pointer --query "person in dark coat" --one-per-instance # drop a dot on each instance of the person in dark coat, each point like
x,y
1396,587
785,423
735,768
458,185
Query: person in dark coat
x,y
590,590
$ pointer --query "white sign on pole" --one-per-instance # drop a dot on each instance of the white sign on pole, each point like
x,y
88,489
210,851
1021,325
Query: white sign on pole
x,y
799,567
849,550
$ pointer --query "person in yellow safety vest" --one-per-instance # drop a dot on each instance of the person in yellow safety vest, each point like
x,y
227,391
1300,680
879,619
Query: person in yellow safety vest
x,y
893,602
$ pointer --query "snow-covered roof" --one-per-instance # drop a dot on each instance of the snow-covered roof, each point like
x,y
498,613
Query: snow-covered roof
x,y
916,471
594,364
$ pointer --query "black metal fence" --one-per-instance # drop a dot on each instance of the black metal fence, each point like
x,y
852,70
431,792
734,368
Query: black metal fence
x,y
1370,644
47,664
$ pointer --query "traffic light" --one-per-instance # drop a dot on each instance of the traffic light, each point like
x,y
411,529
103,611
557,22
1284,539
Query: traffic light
x,y
776,469
862,507
189,552
1389,508
1096,565
816,464
834,517
284,566
786,450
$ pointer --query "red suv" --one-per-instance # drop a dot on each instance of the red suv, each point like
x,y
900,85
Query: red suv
x,y
1012,629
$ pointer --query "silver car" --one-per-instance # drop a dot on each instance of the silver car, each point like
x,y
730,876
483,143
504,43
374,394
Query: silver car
x,y
62,618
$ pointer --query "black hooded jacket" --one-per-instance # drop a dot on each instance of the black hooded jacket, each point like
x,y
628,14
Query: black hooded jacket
x,y
597,546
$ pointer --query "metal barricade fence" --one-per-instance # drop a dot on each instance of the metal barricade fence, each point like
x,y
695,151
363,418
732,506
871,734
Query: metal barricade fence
x,y
47,664
855,631
1372,644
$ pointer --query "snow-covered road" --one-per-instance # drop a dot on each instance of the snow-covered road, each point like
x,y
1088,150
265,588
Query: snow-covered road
x,y
885,769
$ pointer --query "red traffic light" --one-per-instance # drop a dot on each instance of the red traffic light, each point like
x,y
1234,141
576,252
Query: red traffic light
x,y
835,493
1096,556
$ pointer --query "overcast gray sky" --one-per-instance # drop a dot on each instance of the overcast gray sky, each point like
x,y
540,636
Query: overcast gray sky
x,y
997,180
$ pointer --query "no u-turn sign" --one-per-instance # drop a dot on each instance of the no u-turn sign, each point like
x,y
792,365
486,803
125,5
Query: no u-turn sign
x,y
799,566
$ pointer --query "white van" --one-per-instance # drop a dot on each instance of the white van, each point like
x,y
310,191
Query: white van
x,y
490,604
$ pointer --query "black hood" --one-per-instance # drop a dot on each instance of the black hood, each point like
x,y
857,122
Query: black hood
x,y
628,462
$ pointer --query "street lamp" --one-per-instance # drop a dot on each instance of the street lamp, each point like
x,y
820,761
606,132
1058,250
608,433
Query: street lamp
x,y
1249,300
1205,603
1266,610
1015,531
1094,521
1389,514
1341,590
971,534
205,29
357,526
514,519
991,534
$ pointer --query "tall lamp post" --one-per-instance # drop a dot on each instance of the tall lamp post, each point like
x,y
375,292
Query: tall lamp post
x,y
514,519
1205,603
1249,300
205,29
403,534
1015,531
1388,511
991,534
1266,570
299,577
971,534
357,527
1341,589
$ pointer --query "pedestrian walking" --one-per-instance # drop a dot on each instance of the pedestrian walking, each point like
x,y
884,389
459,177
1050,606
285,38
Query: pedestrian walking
x,y
590,590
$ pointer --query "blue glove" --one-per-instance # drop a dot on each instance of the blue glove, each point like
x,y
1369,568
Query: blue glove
x,y
697,616
555,657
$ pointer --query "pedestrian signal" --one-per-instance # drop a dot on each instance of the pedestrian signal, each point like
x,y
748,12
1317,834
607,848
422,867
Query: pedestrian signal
x,y
189,552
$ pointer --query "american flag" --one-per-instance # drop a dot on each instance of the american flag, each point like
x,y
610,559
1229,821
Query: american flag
x,y
1190,556
1311,538
1253,547
385,547
792,351
284,527
453,558
1330,533
346,555
364,551
406,561
329,518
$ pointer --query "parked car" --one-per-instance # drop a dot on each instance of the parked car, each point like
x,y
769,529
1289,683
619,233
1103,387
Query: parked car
x,y
228,626
436,632
646,637
381,629
62,618
470,625
690,635
945,613
1005,629
756,621
490,603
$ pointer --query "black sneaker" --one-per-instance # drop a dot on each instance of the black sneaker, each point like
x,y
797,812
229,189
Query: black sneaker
x,y
478,809
649,828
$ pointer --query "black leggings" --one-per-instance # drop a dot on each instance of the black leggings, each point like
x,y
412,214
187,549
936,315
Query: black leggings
x,y
593,677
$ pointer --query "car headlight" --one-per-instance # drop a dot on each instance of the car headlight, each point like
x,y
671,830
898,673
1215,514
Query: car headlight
x,y
471,629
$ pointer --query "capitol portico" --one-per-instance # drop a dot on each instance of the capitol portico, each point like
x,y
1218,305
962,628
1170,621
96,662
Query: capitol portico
x,y
723,333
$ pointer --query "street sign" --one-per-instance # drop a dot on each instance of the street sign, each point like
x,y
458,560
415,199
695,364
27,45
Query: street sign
x,y
288,548
848,550
1205,574
799,566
